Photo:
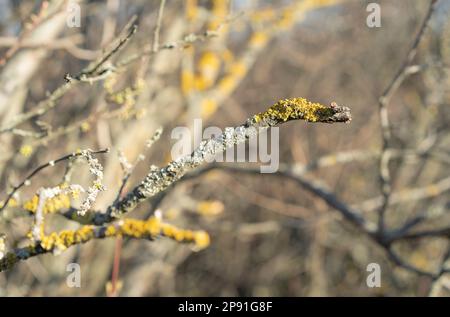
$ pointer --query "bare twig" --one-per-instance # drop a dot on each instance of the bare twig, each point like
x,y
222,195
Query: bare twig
x,y
68,44
129,168
155,45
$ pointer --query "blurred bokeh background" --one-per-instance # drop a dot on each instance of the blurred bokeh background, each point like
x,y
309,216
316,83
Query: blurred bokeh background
x,y
269,236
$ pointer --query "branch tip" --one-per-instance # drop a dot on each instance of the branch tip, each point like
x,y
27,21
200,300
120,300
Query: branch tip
x,y
302,109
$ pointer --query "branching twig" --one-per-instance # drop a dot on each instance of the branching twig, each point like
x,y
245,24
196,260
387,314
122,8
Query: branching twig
x,y
41,167
88,76
92,72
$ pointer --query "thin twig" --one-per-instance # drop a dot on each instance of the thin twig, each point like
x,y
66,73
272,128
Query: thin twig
x,y
155,45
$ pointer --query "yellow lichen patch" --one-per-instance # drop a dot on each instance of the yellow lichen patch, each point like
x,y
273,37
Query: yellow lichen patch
x,y
298,10
227,84
433,190
201,239
168,230
208,107
187,82
75,193
201,83
219,8
210,208
227,56
287,19
208,67
133,228
113,291
179,235
85,126
209,60
67,238
127,96
111,231
314,4
109,84
139,85
126,113
238,69
259,39
191,10
52,205
153,227
219,11
11,203
263,15
26,150
293,109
